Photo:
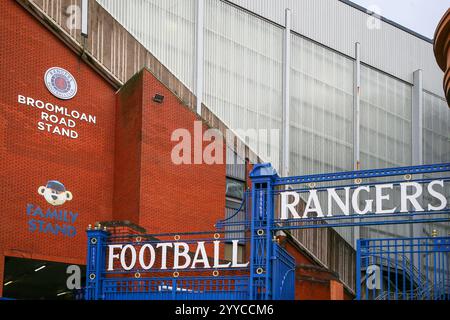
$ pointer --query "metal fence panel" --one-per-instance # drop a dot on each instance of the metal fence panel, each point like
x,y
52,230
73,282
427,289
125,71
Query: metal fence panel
x,y
403,269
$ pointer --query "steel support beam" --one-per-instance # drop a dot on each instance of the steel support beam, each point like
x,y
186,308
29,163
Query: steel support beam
x,y
356,121
364,174
84,17
417,133
356,106
200,14
286,95
416,119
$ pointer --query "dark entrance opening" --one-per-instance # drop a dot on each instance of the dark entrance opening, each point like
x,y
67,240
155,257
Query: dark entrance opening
x,y
39,280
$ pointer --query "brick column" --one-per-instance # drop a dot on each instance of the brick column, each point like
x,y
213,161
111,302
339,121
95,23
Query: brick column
x,y
336,290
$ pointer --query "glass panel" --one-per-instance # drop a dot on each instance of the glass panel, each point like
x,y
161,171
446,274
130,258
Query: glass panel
x,y
234,231
235,165
235,189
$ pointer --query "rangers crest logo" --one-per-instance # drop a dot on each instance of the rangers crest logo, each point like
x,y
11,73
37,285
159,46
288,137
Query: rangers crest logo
x,y
60,83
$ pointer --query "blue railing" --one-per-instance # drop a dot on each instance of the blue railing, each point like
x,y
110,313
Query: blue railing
x,y
271,270
169,288
406,269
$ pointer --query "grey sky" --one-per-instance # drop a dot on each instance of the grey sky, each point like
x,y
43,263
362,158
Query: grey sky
x,y
421,16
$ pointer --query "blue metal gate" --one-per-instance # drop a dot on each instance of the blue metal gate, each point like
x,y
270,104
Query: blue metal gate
x,y
159,284
403,269
270,273
283,274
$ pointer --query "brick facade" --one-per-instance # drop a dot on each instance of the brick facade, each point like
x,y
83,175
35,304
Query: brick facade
x,y
90,167
30,157
145,172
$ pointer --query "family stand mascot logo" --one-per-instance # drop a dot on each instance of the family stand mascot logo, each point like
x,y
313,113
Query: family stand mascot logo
x,y
54,219
55,193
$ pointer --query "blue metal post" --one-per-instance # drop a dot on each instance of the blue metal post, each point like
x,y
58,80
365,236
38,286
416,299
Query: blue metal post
x,y
95,263
263,177
358,269
276,281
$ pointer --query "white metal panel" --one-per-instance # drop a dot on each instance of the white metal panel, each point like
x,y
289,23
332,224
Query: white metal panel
x,y
339,25
321,109
436,148
385,120
436,129
386,134
321,123
166,28
243,75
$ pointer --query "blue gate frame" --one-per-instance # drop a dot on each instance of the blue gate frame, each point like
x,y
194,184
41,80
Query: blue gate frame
x,y
271,272
167,284
404,269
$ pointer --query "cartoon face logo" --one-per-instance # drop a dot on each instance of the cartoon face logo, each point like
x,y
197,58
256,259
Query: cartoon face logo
x,y
55,193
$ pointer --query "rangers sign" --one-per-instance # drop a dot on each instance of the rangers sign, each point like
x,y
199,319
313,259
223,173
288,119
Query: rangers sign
x,y
60,83
377,202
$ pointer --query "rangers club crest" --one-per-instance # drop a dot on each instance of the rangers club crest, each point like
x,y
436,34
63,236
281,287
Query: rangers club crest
x,y
60,83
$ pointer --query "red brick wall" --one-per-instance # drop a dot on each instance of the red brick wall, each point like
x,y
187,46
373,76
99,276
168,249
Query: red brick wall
x,y
313,282
125,156
29,157
149,187
127,162
171,197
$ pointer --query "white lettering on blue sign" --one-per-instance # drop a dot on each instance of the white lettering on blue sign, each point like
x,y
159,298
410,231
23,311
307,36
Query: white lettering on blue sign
x,y
375,202
144,256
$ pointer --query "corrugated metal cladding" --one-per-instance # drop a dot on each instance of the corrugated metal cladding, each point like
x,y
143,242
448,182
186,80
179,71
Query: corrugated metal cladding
x,y
385,120
242,70
338,26
235,164
166,28
436,146
243,75
321,124
243,80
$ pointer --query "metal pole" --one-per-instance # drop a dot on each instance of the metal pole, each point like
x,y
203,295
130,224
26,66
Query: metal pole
x,y
84,17
199,56
417,133
356,120
286,94
356,103
358,269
